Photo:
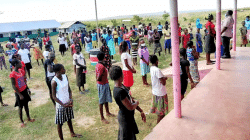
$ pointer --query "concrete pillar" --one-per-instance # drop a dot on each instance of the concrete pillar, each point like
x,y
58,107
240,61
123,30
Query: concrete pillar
x,y
235,24
218,34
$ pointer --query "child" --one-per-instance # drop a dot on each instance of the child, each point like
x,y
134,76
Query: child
x,y
37,52
167,37
128,68
46,52
192,56
134,39
94,38
103,88
111,44
199,47
144,62
184,72
150,35
243,32
40,41
80,69
72,47
126,37
88,43
2,59
24,53
62,94
105,49
159,91
10,53
120,37
1,100
127,105
115,36
185,38
22,93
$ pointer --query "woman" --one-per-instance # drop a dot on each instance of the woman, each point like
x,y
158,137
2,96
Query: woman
x,y
134,39
127,105
62,94
111,44
210,45
37,52
62,47
105,49
22,93
128,68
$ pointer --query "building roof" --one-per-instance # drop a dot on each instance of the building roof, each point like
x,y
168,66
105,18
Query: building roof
x,y
68,24
27,26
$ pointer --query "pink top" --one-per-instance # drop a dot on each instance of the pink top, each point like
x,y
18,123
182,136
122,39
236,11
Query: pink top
x,y
143,52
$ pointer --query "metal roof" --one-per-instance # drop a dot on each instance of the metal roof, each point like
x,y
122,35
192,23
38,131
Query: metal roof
x,y
68,24
27,26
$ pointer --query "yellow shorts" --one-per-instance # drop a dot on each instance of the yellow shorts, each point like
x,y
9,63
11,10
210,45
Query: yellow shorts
x,y
94,43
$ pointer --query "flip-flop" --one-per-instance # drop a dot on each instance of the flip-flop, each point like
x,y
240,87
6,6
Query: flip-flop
x,y
22,125
76,135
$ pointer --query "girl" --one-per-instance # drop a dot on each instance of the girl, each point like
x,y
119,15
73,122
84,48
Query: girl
x,y
126,37
24,53
157,43
128,69
134,39
150,36
89,43
144,61
111,44
22,93
37,52
2,59
145,31
127,105
80,69
1,100
105,49
61,41
192,56
140,34
199,47
10,53
62,94
120,37
45,39
185,38
210,45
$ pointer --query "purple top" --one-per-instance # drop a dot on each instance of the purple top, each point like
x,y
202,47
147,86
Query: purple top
x,y
143,52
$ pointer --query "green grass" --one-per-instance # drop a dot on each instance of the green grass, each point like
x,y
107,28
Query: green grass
x,y
85,106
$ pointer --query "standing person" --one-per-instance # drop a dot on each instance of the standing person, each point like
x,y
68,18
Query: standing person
x,y
120,37
65,41
247,21
122,28
179,32
111,44
25,58
144,61
243,32
185,38
22,93
37,52
40,42
210,45
127,64
160,98
84,32
103,88
115,36
72,47
159,28
80,70
88,44
62,94
10,53
61,41
167,37
226,33
107,59
45,39
2,59
134,39
126,37
18,57
193,57
49,73
46,52
127,105
145,31
185,74
140,34
94,39
190,31
1,100
157,44
150,36
199,45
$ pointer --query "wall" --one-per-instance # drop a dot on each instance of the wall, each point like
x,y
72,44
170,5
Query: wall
x,y
76,27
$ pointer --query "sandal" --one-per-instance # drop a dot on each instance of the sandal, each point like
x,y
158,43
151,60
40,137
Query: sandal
x,y
23,125
76,135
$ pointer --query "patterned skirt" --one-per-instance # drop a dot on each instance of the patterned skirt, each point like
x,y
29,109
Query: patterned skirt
x,y
199,49
63,114
159,105
144,69
38,54
244,40
194,71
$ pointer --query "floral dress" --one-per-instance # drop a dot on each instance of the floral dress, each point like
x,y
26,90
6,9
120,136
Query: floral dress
x,y
107,61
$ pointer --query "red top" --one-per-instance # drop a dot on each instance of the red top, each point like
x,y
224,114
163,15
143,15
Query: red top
x,y
15,45
179,31
186,38
126,36
101,70
148,27
73,48
22,68
212,26
20,79
45,40
122,28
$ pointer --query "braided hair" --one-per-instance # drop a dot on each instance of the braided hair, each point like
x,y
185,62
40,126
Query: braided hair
x,y
210,16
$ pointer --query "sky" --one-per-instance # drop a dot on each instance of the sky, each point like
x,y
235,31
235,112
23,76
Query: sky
x,y
71,10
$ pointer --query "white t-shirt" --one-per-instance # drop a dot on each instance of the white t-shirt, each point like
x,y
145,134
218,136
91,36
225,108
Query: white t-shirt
x,y
61,40
128,57
80,59
24,55
158,89
46,54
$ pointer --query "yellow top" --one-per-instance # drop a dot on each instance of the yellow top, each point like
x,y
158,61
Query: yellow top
x,y
115,34
166,34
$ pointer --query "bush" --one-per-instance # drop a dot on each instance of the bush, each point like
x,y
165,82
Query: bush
x,y
184,18
165,16
114,22
137,18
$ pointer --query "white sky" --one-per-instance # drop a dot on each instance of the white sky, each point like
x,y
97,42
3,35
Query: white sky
x,y
70,10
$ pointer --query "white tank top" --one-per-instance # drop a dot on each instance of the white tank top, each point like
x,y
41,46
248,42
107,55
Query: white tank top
x,y
62,89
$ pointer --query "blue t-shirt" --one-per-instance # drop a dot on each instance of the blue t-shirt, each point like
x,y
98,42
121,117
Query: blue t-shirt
x,y
247,24
159,27
190,56
94,36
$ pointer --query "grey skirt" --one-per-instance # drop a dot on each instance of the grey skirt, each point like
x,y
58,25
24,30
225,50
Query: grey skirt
x,y
63,114
80,77
210,45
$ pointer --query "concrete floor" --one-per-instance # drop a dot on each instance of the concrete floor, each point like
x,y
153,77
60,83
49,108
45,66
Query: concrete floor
x,y
217,109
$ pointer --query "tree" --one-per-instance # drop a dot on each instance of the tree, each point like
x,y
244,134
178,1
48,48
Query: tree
x,y
137,18
114,22
165,16
184,18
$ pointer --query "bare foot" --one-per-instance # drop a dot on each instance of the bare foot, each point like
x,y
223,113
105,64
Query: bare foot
x,y
31,120
146,85
105,121
4,104
76,135
110,115
210,63
22,125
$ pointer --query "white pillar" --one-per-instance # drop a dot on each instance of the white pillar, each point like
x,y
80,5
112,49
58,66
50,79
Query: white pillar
x,y
235,25
218,32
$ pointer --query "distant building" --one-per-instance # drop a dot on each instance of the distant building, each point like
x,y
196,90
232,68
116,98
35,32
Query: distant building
x,y
30,28
69,27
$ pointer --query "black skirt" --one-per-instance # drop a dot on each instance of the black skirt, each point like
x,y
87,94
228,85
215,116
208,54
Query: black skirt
x,y
210,45
80,77
28,66
26,98
62,48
